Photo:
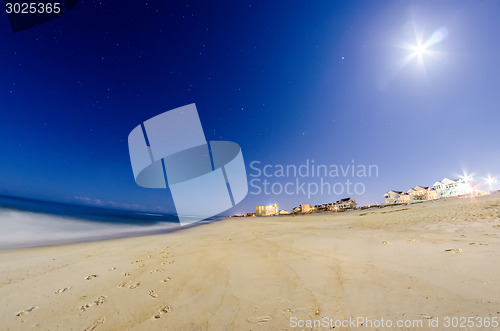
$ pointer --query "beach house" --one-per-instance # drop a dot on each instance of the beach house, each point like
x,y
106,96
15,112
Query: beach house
x,y
405,197
266,210
452,188
420,193
347,203
332,206
304,209
393,197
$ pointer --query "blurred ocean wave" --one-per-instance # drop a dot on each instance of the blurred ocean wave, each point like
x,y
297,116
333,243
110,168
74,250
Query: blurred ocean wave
x,y
28,223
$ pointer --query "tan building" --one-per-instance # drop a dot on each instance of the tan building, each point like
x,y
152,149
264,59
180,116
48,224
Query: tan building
x,y
405,197
304,209
419,193
393,197
266,210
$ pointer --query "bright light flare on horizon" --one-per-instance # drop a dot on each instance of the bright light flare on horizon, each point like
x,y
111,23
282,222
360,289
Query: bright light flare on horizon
x,y
467,178
490,181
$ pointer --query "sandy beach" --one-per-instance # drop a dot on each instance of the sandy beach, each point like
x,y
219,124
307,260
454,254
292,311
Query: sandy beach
x,y
421,262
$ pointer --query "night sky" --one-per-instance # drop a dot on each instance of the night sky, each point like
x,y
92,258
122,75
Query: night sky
x,y
287,81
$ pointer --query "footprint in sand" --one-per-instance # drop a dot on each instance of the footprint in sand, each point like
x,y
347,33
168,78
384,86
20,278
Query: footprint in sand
x,y
134,286
153,294
121,285
97,302
476,244
90,277
262,319
62,290
111,269
385,243
126,274
454,250
96,323
142,265
26,311
166,280
166,309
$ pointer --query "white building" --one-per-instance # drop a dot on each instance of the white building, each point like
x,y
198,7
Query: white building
x,y
347,203
452,188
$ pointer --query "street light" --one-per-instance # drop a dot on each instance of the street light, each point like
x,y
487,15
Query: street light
x,y
490,181
466,178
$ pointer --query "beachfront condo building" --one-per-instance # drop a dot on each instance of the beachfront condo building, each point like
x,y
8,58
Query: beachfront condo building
x,y
452,188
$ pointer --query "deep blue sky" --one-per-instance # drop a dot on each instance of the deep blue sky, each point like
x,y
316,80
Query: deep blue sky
x,y
288,81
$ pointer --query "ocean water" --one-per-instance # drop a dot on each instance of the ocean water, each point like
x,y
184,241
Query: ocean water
x,y
28,223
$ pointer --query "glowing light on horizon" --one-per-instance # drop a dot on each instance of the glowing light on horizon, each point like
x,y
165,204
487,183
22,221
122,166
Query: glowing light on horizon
x,y
466,177
490,181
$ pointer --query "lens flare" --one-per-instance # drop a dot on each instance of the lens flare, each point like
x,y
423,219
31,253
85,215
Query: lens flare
x,y
421,49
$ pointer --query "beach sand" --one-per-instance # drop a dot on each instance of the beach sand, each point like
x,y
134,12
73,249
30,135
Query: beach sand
x,y
419,262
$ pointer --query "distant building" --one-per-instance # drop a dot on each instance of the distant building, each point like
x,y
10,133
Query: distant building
x,y
432,194
332,206
347,203
266,210
393,197
320,207
452,188
283,212
405,197
304,209
419,193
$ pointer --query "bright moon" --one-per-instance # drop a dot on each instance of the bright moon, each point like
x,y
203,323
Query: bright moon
x,y
419,50
422,49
